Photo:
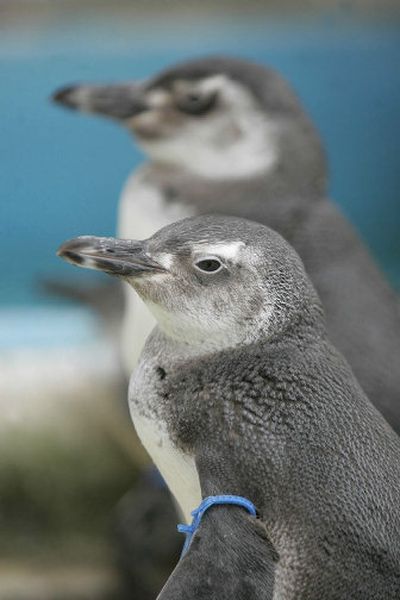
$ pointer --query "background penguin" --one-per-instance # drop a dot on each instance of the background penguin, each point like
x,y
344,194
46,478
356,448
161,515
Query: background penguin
x,y
228,136
239,391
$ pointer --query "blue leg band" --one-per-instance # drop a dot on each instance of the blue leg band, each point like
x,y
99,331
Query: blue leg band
x,y
197,514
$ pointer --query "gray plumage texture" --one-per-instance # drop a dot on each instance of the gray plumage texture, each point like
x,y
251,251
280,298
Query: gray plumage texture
x,y
283,422
247,384
230,557
361,309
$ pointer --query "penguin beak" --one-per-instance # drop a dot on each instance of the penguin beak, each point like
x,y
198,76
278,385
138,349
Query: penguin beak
x,y
126,258
120,102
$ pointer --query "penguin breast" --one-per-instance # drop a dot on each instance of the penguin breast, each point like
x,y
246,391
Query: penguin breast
x,y
177,469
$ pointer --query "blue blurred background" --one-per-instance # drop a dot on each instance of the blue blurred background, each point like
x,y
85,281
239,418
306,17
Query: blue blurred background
x,y
62,174
67,452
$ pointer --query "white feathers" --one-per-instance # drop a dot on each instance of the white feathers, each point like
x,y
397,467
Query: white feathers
x,y
178,469
136,326
204,330
228,250
234,142
142,212
237,141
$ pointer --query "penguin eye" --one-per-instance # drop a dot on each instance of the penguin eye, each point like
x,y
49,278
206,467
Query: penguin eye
x,y
208,265
194,103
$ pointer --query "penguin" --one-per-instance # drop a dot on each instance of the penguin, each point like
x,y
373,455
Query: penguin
x,y
227,136
239,391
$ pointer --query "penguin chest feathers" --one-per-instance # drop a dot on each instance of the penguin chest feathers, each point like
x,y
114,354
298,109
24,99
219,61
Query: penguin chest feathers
x,y
144,208
177,468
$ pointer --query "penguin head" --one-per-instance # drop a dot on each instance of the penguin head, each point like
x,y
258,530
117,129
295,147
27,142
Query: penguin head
x,y
211,281
218,117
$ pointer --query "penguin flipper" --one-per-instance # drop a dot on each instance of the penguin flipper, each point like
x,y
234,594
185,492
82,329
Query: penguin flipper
x,y
229,557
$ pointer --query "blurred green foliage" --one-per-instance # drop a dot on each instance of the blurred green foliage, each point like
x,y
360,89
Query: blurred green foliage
x,y
55,493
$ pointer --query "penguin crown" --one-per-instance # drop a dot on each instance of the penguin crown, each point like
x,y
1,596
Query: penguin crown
x,y
211,281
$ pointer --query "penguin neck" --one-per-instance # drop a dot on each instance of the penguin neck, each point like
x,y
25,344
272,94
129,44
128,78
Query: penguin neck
x,y
185,343
282,185
285,157
190,338
305,325
246,147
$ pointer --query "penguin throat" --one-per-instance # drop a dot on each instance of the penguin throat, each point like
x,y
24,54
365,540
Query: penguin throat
x,y
250,152
202,335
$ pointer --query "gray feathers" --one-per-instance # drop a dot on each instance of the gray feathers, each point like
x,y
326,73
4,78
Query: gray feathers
x,y
266,85
231,557
238,388
283,422
362,311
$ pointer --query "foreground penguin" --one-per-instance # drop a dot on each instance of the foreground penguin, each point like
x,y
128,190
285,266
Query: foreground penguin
x,y
238,391
228,136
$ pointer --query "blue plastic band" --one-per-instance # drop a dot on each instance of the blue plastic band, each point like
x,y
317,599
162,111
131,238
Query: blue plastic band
x,y
197,514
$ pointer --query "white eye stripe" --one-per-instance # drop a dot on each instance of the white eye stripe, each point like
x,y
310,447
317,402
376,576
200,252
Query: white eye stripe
x,y
228,250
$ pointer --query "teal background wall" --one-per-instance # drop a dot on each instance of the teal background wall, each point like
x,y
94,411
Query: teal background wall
x,y
61,173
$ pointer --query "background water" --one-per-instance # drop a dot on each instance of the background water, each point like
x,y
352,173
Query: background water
x,y
61,173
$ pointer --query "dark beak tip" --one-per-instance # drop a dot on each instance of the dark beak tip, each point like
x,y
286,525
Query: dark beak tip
x,y
63,96
115,257
62,251
66,254
71,247
69,256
